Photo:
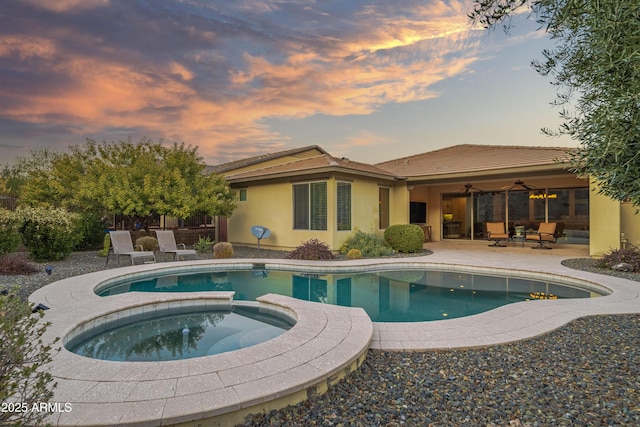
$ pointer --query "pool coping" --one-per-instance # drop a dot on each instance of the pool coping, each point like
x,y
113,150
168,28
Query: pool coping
x,y
232,392
326,343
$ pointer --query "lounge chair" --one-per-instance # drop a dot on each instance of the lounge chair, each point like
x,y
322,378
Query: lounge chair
x,y
497,233
546,234
167,244
121,245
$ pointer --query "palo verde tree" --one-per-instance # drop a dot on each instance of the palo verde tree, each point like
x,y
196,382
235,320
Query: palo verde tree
x,y
132,179
595,66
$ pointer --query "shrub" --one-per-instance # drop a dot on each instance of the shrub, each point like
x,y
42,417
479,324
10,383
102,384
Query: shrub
x,y
630,255
9,237
354,254
203,245
91,227
22,358
148,243
11,265
49,233
369,244
404,237
106,244
222,250
312,249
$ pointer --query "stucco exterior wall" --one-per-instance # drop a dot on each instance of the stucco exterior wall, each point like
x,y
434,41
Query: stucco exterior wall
x,y
630,223
605,219
271,205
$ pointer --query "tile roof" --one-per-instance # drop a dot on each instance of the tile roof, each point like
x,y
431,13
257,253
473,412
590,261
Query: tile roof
x,y
316,164
467,158
261,158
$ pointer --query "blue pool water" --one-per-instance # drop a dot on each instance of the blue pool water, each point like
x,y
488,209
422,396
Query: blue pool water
x,y
175,336
386,296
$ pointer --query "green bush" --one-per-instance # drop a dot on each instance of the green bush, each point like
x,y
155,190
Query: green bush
x,y
148,243
354,254
50,234
9,237
312,249
222,250
406,238
24,378
90,226
369,244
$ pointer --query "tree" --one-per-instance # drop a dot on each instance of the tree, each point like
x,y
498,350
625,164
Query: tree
x,y
135,180
24,380
595,67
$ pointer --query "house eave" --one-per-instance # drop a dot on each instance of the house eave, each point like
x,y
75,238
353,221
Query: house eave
x,y
296,175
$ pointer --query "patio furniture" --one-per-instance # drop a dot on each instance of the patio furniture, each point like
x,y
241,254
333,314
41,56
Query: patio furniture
x,y
546,234
121,245
167,244
497,233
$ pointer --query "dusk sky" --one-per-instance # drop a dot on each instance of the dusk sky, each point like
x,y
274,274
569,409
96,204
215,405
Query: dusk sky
x,y
368,80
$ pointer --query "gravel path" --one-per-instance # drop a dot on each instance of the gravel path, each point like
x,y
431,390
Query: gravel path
x,y
586,373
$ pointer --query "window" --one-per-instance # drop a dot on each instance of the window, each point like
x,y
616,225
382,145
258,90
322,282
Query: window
x,y
242,194
343,210
310,206
383,213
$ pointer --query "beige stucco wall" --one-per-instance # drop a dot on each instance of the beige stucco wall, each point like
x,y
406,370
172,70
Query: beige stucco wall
x,y
609,220
605,219
630,223
271,205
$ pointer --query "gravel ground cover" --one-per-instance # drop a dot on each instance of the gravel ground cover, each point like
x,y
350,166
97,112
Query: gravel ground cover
x,y
586,373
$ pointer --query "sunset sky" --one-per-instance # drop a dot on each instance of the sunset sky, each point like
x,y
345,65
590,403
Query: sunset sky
x,y
368,80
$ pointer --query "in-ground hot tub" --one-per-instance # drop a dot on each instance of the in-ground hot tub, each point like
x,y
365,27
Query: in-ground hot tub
x,y
178,333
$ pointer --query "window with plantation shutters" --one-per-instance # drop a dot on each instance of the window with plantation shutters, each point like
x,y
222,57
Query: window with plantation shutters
x,y
318,210
383,212
301,207
310,206
343,208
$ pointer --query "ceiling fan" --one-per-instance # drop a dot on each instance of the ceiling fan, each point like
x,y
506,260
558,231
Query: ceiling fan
x,y
519,184
468,188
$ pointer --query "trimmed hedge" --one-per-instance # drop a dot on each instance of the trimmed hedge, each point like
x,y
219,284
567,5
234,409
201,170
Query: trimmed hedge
x,y
406,238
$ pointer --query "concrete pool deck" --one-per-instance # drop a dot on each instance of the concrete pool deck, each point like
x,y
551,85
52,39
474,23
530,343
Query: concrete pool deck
x,y
326,343
512,322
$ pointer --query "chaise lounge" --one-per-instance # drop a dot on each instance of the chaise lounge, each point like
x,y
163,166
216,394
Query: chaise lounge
x,y
167,244
121,245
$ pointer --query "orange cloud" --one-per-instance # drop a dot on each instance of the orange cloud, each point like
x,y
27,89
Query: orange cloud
x,y
67,5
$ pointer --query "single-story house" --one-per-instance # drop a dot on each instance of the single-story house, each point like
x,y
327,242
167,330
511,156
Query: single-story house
x,y
306,193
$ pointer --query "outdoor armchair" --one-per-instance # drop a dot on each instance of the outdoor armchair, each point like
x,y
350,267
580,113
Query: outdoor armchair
x,y
167,245
546,234
497,233
121,245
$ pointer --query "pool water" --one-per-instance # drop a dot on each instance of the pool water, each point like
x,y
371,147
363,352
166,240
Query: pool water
x,y
386,296
176,336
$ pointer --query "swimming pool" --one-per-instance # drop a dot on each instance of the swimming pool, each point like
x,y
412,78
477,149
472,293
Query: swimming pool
x,y
387,296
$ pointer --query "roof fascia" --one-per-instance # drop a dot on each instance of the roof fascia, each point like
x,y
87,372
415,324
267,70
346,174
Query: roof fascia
x,y
537,171
312,174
